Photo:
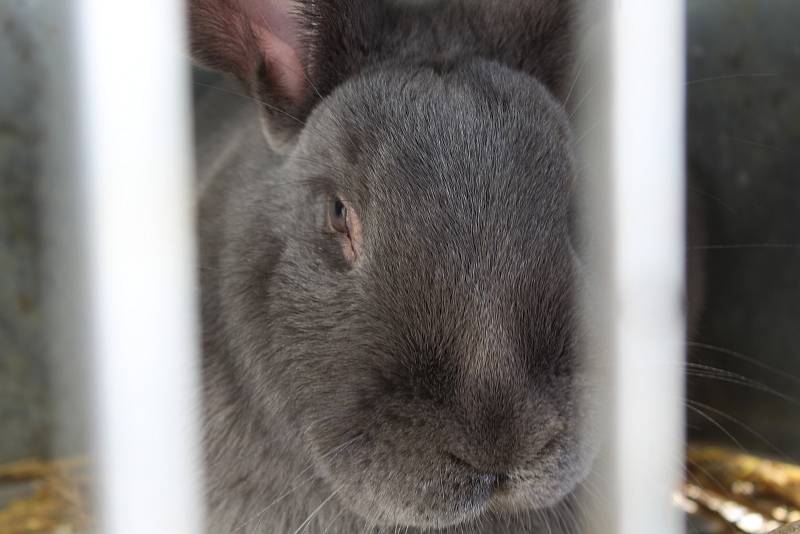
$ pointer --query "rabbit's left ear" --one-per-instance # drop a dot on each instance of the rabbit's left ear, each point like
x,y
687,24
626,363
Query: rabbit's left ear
x,y
289,53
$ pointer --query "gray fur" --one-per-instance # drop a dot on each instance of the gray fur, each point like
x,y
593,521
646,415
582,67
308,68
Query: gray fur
x,y
433,385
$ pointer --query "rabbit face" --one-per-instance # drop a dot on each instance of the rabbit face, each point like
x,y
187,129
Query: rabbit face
x,y
401,293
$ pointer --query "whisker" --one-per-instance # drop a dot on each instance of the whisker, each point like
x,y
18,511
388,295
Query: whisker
x,y
260,514
746,427
249,97
754,143
732,379
697,370
719,485
295,487
587,132
733,77
716,423
575,80
745,246
581,102
332,521
712,197
745,358
317,509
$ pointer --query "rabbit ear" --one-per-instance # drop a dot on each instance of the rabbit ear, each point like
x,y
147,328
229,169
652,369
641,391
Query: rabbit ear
x,y
289,53
261,42
531,36
242,36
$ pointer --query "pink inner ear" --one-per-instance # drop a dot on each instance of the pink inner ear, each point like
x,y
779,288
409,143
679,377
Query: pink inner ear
x,y
278,34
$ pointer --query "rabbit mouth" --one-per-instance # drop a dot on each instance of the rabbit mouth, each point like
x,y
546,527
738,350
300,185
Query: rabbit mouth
x,y
436,504
453,493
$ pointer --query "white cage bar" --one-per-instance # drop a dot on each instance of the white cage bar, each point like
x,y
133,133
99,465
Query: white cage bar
x,y
641,259
134,177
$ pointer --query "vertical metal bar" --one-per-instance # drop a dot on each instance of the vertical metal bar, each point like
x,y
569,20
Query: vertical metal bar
x,y
134,177
638,260
647,180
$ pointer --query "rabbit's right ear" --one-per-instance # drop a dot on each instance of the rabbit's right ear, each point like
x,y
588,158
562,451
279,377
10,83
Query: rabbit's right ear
x,y
289,53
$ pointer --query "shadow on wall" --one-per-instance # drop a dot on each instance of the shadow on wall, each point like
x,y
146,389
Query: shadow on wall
x,y
744,164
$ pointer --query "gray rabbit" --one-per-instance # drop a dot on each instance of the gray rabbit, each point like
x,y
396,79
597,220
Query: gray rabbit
x,y
388,275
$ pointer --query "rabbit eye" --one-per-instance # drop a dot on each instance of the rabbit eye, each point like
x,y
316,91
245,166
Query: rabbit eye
x,y
344,222
338,216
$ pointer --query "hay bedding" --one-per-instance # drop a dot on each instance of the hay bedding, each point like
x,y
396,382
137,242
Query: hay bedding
x,y
725,492
45,497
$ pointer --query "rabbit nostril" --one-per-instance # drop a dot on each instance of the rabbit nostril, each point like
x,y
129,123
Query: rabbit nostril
x,y
498,480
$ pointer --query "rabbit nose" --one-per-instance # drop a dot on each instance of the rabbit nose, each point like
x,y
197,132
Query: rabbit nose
x,y
501,434
498,481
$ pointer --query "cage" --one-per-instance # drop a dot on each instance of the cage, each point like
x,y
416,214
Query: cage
x,y
685,123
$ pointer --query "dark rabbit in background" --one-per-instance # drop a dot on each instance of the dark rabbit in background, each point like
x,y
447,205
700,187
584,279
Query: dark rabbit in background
x,y
390,332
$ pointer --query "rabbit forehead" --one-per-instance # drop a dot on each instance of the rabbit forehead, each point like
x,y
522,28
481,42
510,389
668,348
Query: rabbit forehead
x,y
460,174
475,130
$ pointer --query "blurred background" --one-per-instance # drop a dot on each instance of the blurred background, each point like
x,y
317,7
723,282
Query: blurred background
x,y
743,121
26,402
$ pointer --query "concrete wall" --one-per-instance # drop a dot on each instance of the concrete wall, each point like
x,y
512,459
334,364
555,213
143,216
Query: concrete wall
x,y
24,394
